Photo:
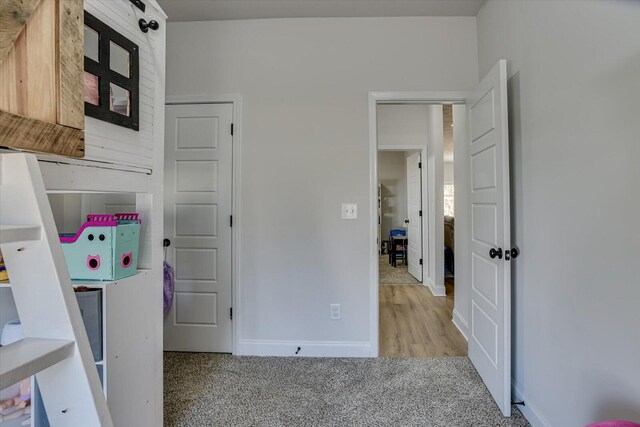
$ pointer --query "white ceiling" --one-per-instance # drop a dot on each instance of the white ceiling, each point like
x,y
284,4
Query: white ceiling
x,y
214,10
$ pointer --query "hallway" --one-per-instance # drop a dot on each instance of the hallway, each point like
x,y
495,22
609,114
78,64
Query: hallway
x,y
414,323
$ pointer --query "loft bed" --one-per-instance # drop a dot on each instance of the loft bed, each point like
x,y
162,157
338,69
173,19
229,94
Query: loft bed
x,y
44,113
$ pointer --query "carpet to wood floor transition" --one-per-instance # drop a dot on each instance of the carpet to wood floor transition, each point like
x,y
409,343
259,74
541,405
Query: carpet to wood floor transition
x,y
204,389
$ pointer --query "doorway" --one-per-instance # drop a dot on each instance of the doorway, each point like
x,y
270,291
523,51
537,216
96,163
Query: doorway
x,y
484,141
415,314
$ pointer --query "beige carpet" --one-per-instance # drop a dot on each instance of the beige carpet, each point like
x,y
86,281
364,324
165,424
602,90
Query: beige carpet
x,y
395,275
202,390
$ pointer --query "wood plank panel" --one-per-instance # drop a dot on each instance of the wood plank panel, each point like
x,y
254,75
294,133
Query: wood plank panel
x,y
42,81
14,15
70,72
36,135
414,323
41,63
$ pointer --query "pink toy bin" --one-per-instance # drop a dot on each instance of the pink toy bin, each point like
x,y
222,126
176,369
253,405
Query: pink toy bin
x,y
104,248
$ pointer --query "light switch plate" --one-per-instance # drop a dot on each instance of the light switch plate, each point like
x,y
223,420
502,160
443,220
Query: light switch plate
x,y
349,211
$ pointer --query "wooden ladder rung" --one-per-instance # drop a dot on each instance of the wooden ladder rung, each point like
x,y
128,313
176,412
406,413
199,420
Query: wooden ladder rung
x,y
29,356
19,233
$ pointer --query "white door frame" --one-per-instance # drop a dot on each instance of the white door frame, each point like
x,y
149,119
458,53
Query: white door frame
x,y
236,101
425,194
375,98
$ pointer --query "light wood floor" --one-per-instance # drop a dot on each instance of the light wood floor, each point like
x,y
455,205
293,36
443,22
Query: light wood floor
x,y
414,323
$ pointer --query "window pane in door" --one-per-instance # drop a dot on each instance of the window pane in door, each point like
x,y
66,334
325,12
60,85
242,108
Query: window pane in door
x,y
91,43
120,100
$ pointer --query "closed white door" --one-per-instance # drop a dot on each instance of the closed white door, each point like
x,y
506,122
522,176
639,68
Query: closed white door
x,y
414,212
490,340
198,159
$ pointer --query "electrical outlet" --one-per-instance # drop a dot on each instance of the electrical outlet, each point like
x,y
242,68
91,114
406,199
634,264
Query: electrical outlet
x,y
335,311
349,211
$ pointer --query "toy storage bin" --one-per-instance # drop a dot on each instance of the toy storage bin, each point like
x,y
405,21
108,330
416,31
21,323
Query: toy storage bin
x,y
90,303
105,247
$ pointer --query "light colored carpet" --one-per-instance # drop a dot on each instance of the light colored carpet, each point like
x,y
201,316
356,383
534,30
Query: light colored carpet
x,y
205,389
395,275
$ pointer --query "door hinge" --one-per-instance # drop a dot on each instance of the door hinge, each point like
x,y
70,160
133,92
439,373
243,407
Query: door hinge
x,y
420,213
419,165
230,220
231,313
420,261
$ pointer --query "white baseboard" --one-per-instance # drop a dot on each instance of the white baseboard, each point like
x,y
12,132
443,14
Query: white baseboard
x,y
438,291
307,348
529,410
460,323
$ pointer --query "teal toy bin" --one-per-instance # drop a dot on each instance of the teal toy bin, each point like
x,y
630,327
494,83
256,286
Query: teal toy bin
x,y
105,247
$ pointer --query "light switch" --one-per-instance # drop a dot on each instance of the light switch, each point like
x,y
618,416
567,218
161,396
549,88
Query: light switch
x,y
349,211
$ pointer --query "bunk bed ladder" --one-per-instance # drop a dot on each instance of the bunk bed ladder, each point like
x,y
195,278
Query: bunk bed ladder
x,y
56,348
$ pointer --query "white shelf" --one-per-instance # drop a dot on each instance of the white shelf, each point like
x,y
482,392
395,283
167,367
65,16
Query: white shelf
x,y
26,357
19,233
91,283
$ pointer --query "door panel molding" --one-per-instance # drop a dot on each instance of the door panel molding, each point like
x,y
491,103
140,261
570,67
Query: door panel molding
x,y
236,230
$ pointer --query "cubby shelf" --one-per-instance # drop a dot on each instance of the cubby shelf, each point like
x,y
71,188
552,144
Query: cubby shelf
x,y
92,283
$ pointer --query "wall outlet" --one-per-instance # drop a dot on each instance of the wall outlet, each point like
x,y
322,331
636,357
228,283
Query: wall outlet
x,y
349,211
335,311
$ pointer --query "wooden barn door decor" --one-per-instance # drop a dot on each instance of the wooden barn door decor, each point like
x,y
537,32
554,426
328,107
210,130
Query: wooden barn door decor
x,y
41,76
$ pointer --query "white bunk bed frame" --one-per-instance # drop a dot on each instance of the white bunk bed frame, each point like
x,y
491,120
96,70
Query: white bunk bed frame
x,y
132,307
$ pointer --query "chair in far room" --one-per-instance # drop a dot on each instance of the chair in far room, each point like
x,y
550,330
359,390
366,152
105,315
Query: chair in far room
x,y
397,246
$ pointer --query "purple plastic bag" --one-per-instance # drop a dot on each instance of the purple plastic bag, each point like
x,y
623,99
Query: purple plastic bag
x,y
168,288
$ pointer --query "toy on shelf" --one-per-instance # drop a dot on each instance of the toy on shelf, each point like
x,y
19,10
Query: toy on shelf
x,y
19,405
105,247
3,270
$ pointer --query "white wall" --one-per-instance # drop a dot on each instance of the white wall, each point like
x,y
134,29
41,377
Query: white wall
x,y
402,124
574,81
67,211
305,85
435,177
392,174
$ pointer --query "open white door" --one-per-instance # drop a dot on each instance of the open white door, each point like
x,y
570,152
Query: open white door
x,y
490,334
414,211
198,165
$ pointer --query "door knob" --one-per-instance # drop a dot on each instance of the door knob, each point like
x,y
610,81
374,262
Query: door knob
x,y
511,254
144,25
495,253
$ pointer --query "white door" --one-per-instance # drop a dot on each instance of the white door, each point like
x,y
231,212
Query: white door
x,y
197,214
490,340
414,212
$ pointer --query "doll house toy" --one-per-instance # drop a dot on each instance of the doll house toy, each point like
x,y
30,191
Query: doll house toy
x,y
104,248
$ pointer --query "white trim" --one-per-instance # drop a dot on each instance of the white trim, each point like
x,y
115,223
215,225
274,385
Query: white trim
x,y
438,291
62,160
420,97
68,178
236,101
529,409
307,348
455,97
460,323
401,147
